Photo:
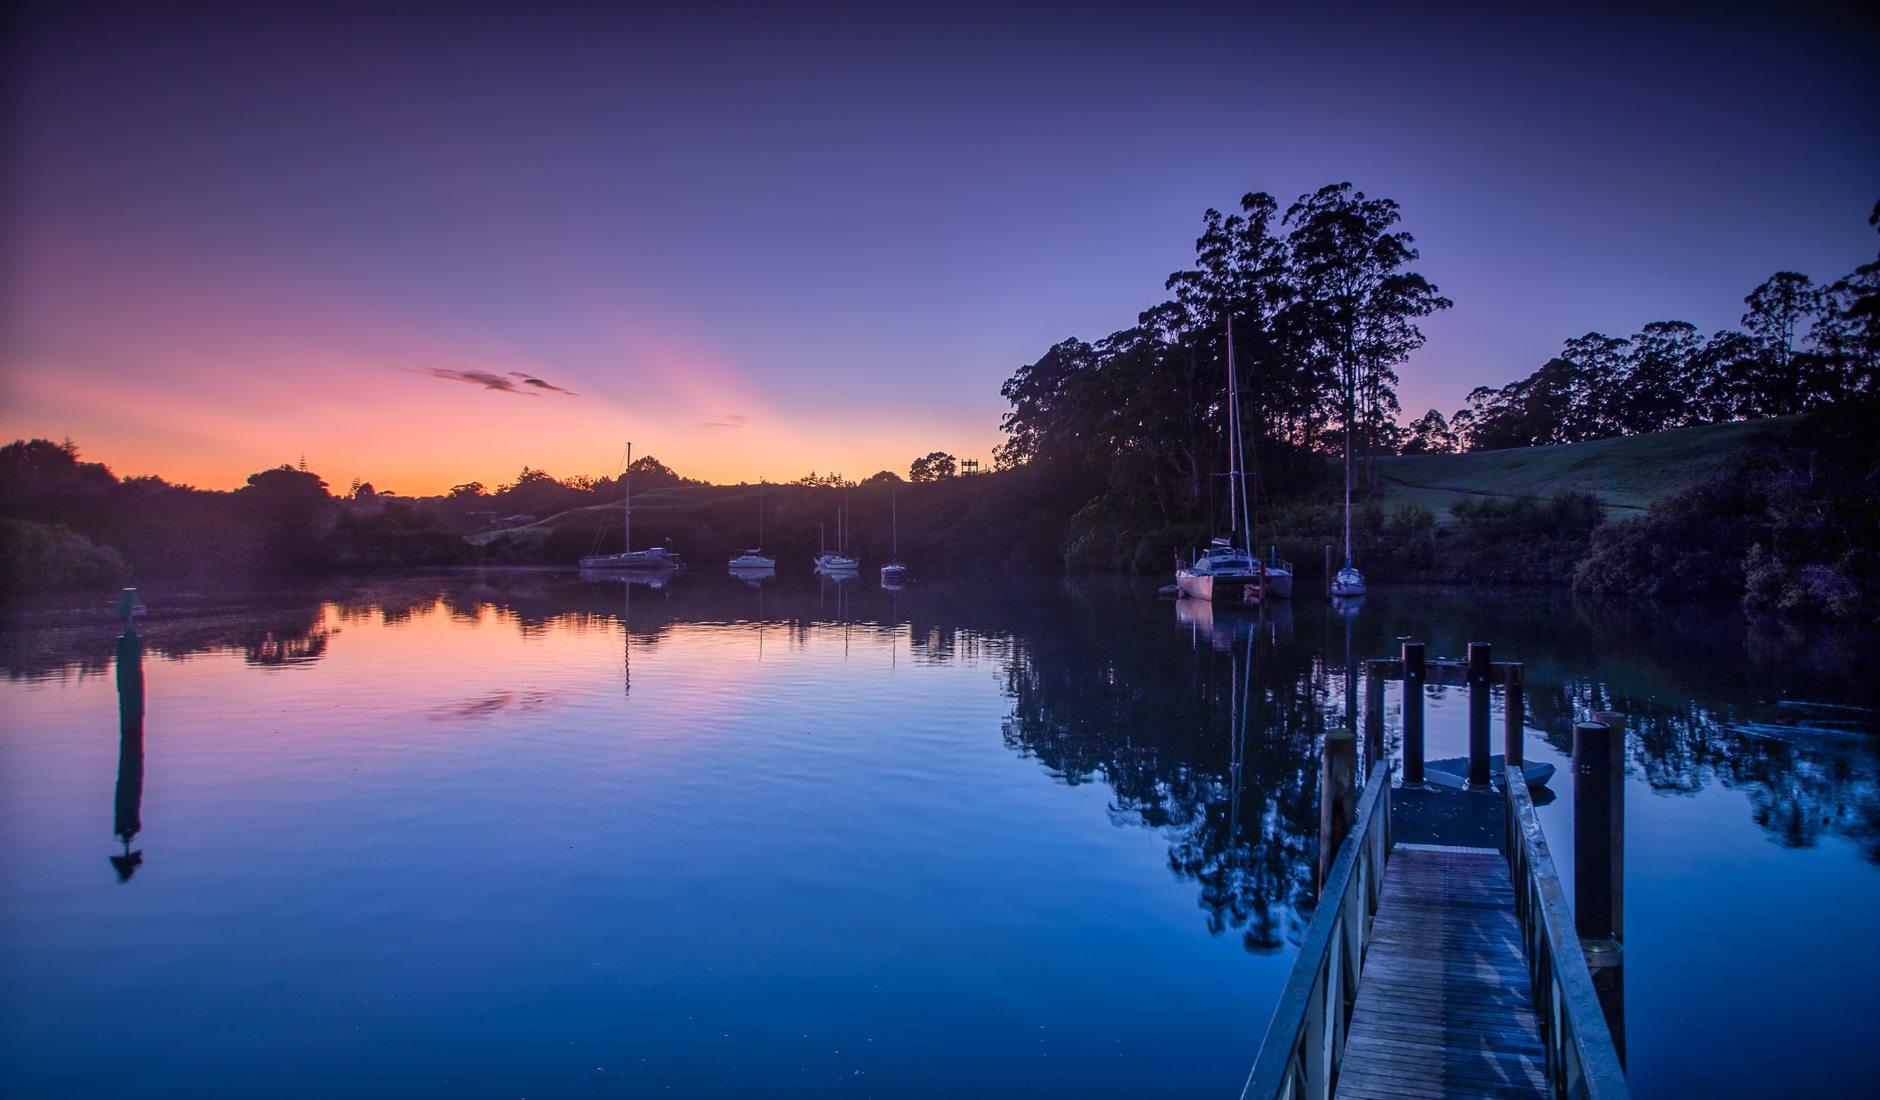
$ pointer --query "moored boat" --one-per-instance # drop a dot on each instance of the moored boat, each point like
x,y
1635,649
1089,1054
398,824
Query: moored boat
x,y
652,559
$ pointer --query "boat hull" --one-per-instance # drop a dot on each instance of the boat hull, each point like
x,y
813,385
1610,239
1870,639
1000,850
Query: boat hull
x,y
1279,584
636,562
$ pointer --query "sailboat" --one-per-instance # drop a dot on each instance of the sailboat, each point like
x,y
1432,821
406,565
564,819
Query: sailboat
x,y
894,572
1348,582
755,560
1225,571
837,561
658,558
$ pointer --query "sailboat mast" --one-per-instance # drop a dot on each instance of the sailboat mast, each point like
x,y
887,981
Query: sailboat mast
x,y
894,525
1244,520
1233,431
1351,400
626,502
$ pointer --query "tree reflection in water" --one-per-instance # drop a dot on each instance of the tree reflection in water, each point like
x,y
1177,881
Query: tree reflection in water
x,y
1205,726
1210,736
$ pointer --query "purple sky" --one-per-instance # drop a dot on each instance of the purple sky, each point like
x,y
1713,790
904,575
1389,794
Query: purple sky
x,y
232,239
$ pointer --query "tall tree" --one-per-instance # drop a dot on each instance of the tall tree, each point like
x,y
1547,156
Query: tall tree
x,y
1355,304
1778,309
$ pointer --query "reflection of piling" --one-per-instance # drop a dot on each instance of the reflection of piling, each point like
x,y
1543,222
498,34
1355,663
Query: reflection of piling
x,y
1338,795
1478,714
130,778
1373,715
1413,679
1514,714
1599,860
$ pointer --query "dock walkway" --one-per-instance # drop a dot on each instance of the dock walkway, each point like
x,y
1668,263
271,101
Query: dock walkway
x,y
1445,1007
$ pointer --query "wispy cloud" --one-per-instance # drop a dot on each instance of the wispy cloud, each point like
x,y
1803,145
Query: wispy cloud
x,y
516,382
734,420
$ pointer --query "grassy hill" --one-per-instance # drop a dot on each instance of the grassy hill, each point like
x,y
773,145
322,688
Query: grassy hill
x,y
1627,474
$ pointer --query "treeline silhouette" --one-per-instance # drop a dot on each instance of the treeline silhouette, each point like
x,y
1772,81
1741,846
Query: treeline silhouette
x,y
1801,346
70,525
1323,306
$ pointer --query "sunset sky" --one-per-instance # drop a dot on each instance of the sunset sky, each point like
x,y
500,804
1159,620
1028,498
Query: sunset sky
x,y
757,242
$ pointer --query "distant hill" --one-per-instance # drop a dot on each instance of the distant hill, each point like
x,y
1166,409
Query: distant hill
x,y
1626,473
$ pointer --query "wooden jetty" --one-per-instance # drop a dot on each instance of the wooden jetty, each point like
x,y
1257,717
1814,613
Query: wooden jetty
x,y
1443,959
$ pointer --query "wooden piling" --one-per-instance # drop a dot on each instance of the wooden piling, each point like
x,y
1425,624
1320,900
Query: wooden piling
x,y
1514,716
1338,795
1592,829
1615,782
1479,661
1599,862
1413,678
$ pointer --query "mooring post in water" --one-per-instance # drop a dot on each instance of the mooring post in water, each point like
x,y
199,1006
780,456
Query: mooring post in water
x,y
1513,717
1328,568
1373,716
128,818
1598,844
1338,795
1413,712
1478,714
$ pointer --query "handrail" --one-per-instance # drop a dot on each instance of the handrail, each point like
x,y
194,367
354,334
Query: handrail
x,y
1305,1042
1582,1063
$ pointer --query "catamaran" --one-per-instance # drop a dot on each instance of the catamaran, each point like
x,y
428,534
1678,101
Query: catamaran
x,y
1224,571
838,560
657,558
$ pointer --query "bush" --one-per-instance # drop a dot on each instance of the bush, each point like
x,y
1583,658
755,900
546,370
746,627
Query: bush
x,y
44,557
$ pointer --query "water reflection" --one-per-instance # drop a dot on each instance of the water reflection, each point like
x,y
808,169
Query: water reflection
x,y
1204,722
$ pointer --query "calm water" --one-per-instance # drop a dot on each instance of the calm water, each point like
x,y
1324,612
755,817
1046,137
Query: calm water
x,y
524,835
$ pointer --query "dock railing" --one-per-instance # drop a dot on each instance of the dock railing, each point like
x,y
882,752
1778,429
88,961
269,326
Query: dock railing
x,y
1582,1063
1305,1042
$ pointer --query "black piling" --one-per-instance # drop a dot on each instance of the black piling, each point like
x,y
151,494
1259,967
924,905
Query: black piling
x,y
1598,861
1514,715
1479,662
1413,678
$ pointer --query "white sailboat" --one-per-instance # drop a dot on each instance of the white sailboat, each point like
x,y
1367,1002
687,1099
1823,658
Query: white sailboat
x,y
838,560
1348,582
1225,571
894,572
657,558
755,560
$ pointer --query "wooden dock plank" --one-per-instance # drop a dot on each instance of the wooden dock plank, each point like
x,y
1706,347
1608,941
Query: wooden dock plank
x,y
1444,1006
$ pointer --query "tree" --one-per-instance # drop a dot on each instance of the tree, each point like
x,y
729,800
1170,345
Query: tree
x,y
1356,307
467,489
882,477
1430,434
1663,375
1777,310
934,466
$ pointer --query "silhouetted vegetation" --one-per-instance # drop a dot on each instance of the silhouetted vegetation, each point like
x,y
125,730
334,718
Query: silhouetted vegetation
x,y
1798,530
1115,452
1801,347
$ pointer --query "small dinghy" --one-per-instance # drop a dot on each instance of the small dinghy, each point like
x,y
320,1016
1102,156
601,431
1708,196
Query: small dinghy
x,y
1454,771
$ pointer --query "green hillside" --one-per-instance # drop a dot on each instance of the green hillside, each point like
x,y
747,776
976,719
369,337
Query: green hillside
x,y
1628,472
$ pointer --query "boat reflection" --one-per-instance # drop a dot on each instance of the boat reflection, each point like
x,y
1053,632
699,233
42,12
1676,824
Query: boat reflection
x,y
1226,624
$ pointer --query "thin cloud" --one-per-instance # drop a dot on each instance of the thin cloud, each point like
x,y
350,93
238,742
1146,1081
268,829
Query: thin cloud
x,y
516,382
734,420
531,380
